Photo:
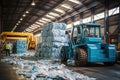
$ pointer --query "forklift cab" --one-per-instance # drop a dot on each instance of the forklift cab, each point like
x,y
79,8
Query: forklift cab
x,y
86,33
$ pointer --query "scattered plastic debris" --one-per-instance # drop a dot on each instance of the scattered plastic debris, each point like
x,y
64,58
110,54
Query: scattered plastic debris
x,y
27,54
43,70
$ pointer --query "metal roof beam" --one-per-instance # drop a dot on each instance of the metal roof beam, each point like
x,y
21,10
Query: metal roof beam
x,y
21,6
59,2
14,14
79,10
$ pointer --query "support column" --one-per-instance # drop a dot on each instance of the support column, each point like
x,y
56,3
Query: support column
x,y
81,17
65,21
72,19
0,19
106,21
119,27
92,14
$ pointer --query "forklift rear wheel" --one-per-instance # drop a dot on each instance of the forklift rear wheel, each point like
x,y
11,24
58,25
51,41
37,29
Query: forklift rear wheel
x,y
80,57
109,63
63,56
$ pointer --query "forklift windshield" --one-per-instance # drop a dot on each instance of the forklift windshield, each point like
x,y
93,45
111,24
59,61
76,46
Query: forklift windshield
x,y
91,31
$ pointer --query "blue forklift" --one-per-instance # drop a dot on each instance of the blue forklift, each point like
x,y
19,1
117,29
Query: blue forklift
x,y
85,46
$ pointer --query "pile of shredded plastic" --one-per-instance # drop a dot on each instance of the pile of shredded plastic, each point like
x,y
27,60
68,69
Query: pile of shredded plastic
x,y
27,54
43,70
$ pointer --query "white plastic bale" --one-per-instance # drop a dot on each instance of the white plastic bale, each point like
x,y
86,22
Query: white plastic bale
x,y
54,25
53,38
44,33
38,51
56,32
56,39
50,52
54,44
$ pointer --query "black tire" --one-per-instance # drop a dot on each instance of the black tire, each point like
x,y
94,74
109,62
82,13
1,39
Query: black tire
x,y
109,63
63,56
80,57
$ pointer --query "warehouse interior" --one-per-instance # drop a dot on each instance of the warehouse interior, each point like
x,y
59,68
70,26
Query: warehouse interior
x,y
46,40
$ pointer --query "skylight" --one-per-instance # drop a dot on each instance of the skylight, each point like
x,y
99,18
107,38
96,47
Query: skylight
x,y
28,29
113,11
42,21
86,20
35,25
39,23
77,22
60,10
46,19
99,16
50,16
75,1
54,14
66,6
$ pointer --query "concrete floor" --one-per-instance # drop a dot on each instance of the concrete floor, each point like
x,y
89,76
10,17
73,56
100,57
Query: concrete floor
x,y
7,72
98,71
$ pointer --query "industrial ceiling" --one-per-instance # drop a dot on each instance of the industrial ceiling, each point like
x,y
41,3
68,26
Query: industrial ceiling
x,y
31,15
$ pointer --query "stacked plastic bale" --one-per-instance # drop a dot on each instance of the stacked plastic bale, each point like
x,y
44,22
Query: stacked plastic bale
x,y
38,51
20,46
53,38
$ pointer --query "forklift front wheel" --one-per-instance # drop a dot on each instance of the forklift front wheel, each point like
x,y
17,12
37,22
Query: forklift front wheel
x,y
80,57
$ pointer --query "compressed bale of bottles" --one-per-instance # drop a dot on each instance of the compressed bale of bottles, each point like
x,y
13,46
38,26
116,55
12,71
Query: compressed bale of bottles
x,y
38,51
19,47
53,38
